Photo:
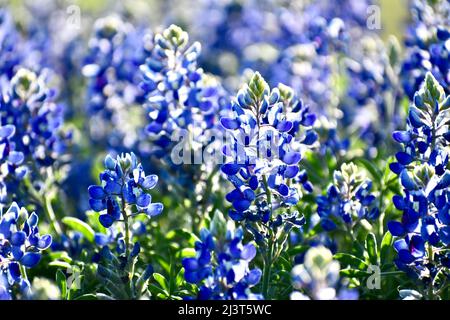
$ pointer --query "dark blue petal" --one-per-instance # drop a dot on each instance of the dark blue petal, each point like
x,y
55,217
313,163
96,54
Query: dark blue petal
x,y
396,228
230,168
30,259
96,192
229,123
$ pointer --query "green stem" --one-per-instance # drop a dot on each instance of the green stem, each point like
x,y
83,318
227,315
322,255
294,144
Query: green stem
x,y
127,228
51,215
267,271
430,259
23,271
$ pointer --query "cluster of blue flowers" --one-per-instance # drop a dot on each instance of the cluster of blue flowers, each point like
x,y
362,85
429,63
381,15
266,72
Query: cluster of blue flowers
x,y
427,42
348,200
221,264
270,130
422,167
307,180
32,128
20,248
124,185
179,95
116,51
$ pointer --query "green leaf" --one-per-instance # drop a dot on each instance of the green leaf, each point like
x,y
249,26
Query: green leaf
x,y
386,246
162,281
374,171
187,253
346,259
60,264
353,273
297,250
60,255
80,226
61,281
158,290
371,247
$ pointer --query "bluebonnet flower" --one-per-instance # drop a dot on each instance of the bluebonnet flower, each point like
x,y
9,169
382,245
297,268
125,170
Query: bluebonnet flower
x,y
269,130
27,104
123,194
20,246
179,95
221,264
124,187
183,102
347,201
116,50
10,56
318,278
427,46
11,162
422,169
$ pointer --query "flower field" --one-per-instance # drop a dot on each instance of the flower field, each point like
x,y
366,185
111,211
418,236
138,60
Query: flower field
x,y
225,150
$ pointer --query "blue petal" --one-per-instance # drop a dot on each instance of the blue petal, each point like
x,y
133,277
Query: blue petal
x,y
14,271
96,192
229,123
396,228
143,200
310,138
16,157
101,239
236,216
154,209
241,205
407,181
444,182
97,205
292,158
396,167
110,163
112,187
44,242
30,259
18,238
106,220
248,252
404,158
414,118
150,182
230,168
402,136
284,126
7,131
253,277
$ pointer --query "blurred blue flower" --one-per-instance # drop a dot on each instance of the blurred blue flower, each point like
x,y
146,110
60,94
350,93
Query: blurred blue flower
x,y
427,46
317,278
